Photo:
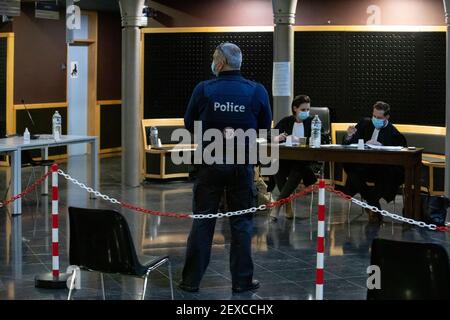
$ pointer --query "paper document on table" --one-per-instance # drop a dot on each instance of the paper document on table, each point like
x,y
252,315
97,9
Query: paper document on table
x,y
331,145
388,148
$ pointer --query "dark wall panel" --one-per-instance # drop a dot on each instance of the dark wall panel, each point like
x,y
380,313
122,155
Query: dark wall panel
x,y
110,126
40,51
349,71
43,120
176,62
3,75
345,71
109,56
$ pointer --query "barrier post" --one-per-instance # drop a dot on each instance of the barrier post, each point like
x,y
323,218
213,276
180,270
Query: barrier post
x,y
55,279
320,241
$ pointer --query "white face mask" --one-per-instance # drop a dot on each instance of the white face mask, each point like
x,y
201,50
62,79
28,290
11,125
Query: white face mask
x,y
213,68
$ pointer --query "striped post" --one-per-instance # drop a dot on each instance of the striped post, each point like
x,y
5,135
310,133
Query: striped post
x,y
320,241
54,279
55,251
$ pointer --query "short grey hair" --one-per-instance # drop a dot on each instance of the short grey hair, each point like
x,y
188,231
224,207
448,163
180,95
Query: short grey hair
x,y
231,54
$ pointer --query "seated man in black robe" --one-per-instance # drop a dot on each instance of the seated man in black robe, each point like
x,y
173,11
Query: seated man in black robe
x,y
386,179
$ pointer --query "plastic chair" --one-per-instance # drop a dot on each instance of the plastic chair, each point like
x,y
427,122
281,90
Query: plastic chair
x,y
100,240
410,271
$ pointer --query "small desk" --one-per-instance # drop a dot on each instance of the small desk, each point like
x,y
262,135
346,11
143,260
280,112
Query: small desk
x,y
411,160
15,145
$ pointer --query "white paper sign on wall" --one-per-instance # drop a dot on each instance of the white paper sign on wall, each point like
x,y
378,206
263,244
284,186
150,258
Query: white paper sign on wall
x,y
281,81
374,13
74,69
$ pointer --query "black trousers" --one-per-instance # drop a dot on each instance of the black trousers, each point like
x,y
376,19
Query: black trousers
x,y
386,179
212,181
290,174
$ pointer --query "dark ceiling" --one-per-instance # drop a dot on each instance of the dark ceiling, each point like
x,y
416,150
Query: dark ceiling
x,y
97,5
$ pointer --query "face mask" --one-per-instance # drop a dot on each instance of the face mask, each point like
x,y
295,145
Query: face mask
x,y
377,123
303,115
213,69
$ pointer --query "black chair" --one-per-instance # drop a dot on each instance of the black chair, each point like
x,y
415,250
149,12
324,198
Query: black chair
x,y
100,240
410,271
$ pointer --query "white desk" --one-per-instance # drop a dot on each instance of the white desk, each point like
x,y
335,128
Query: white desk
x,y
15,145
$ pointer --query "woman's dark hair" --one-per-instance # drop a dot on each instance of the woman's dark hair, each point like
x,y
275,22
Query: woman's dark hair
x,y
298,100
380,105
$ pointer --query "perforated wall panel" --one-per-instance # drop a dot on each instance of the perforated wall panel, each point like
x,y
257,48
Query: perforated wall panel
x,y
175,62
349,71
3,50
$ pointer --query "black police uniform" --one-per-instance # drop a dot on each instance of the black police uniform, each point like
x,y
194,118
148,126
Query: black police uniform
x,y
228,101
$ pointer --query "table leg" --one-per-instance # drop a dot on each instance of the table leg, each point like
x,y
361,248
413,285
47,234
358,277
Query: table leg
x,y
44,156
409,195
94,166
17,180
417,186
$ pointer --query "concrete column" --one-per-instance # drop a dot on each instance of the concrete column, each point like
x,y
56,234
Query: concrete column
x,y
132,19
283,50
447,101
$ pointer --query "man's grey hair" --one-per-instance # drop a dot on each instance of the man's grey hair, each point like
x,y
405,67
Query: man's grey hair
x,y
231,54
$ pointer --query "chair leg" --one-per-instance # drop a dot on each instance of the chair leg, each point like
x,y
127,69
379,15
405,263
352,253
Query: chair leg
x,y
35,189
7,189
145,286
170,278
72,284
348,211
103,286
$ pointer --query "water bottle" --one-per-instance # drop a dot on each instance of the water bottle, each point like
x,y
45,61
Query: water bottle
x,y
154,136
26,136
56,126
316,128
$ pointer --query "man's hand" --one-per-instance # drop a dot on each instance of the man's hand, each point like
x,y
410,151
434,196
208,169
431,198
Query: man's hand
x,y
374,143
281,137
351,131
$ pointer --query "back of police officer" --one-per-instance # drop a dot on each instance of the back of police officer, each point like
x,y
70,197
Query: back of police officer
x,y
227,102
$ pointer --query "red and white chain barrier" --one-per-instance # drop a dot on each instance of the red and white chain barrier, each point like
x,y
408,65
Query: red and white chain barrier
x,y
320,241
126,205
55,240
26,191
263,207
320,229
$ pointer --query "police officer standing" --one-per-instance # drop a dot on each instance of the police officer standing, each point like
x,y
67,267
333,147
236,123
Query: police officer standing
x,y
227,102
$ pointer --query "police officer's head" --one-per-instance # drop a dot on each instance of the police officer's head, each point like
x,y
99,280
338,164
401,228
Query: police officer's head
x,y
226,57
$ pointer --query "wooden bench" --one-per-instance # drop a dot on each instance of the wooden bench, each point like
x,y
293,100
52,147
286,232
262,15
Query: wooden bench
x,y
157,162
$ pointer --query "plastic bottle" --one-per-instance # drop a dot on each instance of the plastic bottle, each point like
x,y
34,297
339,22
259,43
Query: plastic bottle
x,y
56,126
154,136
316,128
26,136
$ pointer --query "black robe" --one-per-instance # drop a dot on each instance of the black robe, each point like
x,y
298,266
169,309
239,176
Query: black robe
x,y
390,177
286,125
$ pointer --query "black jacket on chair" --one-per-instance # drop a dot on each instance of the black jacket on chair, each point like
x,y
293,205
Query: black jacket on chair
x,y
393,176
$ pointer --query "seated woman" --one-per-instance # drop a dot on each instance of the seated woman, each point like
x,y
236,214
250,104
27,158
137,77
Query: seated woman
x,y
292,172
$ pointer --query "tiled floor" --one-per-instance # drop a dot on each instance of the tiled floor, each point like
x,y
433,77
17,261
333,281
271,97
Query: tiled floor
x,y
284,252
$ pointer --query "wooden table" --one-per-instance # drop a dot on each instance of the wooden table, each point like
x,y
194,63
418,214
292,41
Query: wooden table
x,y
411,160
